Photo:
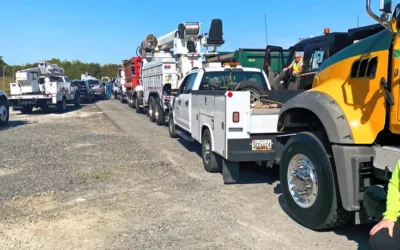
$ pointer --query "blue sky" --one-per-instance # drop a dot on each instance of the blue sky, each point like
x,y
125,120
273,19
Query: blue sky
x,y
106,31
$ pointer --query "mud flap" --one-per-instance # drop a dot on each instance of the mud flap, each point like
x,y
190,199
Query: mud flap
x,y
230,172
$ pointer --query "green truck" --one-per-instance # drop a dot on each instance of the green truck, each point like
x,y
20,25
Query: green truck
x,y
254,58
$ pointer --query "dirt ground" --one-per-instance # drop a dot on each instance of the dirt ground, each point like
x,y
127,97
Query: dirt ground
x,y
104,177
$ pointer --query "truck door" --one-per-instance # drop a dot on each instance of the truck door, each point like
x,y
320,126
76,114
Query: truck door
x,y
395,74
314,56
274,60
186,102
178,103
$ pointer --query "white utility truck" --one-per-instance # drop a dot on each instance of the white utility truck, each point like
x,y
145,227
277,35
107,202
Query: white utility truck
x,y
166,60
42,87
225,109
4,109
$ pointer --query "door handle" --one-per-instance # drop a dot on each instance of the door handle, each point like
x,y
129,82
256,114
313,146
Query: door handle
x,y
179,102
205,100
187,103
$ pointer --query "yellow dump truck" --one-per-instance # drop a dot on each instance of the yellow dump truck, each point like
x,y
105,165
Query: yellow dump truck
x,y
343,135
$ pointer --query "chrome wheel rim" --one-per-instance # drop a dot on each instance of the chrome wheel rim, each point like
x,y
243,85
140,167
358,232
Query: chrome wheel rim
x,y
302,181
207,150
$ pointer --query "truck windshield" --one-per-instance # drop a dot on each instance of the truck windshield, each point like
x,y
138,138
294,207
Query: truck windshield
x,y
219,79
81,84
92,82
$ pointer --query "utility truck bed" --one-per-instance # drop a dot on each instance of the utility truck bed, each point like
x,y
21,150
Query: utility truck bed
x,y
241,133
225,111
42,87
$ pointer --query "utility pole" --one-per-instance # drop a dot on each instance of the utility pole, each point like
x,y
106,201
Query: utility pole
x,y
13,72
266,30
4,76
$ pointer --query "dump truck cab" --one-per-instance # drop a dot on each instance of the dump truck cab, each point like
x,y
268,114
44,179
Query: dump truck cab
x,y
314,52
336,166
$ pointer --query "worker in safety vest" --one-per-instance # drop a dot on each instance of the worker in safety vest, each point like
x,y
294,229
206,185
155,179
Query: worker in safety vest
x,y
386,234
297,67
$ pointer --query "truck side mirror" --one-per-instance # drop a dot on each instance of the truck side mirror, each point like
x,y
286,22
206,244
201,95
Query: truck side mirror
x,y
395,19
386,6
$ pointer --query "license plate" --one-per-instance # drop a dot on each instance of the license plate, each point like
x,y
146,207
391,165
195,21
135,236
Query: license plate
x,y
28,102
259,145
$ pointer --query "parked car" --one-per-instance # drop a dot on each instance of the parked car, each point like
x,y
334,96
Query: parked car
x,y
97,87
86,92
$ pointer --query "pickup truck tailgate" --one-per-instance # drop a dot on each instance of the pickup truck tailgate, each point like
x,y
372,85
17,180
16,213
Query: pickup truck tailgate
x,y
263,120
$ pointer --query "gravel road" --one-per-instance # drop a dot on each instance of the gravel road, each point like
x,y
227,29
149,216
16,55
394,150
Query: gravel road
x,y
104,177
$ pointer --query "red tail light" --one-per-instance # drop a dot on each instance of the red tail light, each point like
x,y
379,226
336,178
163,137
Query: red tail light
x,y
235,117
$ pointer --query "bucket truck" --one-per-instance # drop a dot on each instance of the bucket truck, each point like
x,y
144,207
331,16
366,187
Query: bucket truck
x,y
41,87
166,60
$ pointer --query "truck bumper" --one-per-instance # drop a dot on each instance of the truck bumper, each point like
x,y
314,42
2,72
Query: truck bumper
x,y
255,148
37,101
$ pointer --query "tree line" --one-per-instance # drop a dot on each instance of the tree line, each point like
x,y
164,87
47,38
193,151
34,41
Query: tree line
x,y
72,69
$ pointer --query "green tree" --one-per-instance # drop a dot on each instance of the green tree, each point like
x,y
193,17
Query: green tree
x,y
73,69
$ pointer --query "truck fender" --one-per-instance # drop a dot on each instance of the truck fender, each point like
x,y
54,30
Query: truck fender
x,y
325,109
207,126
337,129
153,94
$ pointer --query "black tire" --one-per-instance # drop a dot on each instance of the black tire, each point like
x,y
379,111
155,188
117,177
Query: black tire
x,y
326,211
122,100
134,101
4,113
250,86
171,127
130,101
62,105
159,113
211,165
151,110
137,99
26,109
78,101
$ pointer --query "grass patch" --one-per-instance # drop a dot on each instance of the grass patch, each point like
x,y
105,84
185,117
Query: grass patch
x,y
100,175
6,86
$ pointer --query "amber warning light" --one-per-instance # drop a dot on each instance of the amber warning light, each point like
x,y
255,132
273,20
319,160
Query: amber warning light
x,y
327,31
231,64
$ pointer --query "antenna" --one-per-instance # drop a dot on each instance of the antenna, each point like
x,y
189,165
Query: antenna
x,y
266,30
358,21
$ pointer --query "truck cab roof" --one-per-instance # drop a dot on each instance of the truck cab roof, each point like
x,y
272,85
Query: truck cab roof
x,y
219,76
226,68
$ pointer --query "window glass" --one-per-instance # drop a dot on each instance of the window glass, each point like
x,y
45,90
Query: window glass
x,y
189,85
219,80
316,59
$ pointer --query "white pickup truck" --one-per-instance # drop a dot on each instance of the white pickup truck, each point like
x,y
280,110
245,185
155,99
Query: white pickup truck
x,y
223,109
42,92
